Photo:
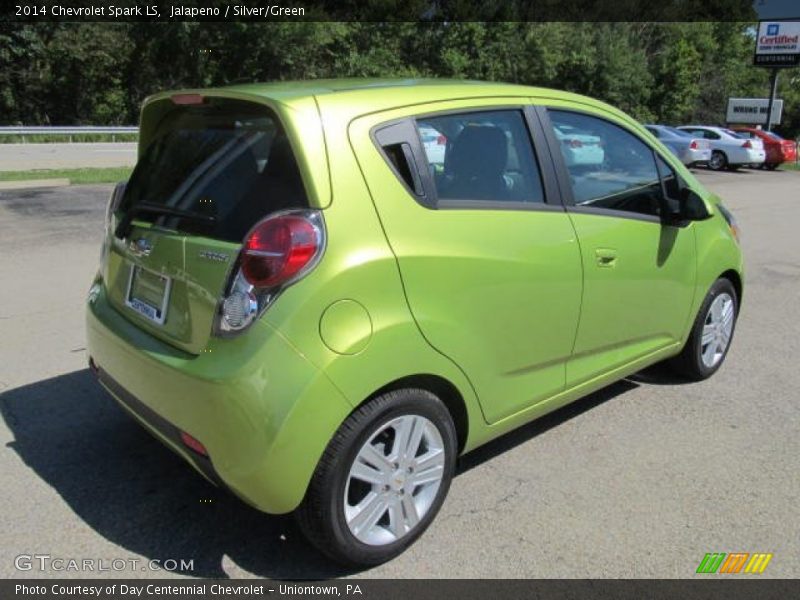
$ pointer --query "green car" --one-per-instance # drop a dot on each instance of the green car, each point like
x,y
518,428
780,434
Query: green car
x,y
320,309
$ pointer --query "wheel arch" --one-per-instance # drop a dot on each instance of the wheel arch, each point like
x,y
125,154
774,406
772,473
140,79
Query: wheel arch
x,y
736,280
440,387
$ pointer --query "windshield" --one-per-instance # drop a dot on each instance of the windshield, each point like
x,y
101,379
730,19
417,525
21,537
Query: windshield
x,y
225,165
732,133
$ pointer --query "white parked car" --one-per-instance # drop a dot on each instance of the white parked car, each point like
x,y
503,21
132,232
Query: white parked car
x,y
580,148
728,149
435,144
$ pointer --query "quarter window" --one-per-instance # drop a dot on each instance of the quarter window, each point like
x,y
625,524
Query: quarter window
x,y
609,168
481,156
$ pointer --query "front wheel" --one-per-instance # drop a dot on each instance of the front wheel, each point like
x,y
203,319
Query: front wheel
x,y
711,334
382,478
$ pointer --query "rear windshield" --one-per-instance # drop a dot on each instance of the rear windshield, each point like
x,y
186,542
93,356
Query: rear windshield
x,y
679,132
227,162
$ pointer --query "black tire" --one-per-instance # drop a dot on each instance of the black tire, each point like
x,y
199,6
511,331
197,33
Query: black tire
x,y
689,362
770,166
718,161
321,516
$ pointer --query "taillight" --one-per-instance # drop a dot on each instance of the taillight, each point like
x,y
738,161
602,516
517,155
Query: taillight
x,y
114,201
113,205
277,249
575,144
193,443
441,140
747,144
277,252
693,145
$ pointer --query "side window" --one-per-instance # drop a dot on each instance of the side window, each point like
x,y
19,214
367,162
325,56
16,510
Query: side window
x,y
396,141
710,135
400,157
609,167
481,156
654,131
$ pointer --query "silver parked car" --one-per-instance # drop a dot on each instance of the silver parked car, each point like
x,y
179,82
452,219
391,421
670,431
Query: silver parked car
x,y
728,149
690,149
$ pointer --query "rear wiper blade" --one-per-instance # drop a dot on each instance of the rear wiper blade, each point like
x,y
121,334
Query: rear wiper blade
x,y
124,226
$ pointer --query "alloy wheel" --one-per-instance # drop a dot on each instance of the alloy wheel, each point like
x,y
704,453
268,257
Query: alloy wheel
x,y
394,479
717,330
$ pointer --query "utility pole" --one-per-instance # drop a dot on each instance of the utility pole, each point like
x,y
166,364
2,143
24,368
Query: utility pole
x,y
773,85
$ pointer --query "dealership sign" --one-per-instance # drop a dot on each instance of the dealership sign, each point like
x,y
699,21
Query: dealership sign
x,y
753,111
777,44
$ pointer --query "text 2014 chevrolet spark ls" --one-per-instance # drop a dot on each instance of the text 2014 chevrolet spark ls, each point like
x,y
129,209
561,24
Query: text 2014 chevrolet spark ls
x,y
320,312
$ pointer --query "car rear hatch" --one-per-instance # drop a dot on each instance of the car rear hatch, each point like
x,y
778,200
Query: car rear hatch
x,y
209,170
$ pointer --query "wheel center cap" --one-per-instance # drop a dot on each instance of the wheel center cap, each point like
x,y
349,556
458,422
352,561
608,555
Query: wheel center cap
x,y
398,479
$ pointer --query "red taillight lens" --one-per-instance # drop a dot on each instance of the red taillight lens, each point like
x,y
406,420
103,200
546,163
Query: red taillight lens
x,y
193,443
693,145
575,144
747,144
441,140
278,248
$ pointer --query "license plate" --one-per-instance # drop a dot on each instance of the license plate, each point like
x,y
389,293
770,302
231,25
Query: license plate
x,y
148,294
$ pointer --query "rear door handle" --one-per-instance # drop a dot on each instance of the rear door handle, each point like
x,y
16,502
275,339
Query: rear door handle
x,y
605,257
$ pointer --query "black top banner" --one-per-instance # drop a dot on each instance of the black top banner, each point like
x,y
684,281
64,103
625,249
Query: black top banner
x,y
32,11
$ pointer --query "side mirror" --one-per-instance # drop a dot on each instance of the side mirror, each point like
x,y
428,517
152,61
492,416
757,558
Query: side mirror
x,y
679,212
692,206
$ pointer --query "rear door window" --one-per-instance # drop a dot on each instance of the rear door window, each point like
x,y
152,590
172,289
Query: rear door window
x,y
481,156
226,163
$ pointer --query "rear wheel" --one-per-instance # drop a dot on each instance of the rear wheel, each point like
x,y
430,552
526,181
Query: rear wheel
x,y
771,166
382,478
718,161
711,335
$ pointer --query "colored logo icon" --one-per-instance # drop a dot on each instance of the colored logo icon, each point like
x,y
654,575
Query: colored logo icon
x,y
772,29
720,562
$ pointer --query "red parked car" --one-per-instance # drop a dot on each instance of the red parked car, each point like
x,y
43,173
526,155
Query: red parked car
x,y
778,149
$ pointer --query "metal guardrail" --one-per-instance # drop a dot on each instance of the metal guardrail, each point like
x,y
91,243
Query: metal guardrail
x,y
67,131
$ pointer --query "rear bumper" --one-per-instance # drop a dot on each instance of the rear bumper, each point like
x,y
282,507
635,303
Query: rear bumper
x,y
781,156
263,412
696,156
163,429
745,156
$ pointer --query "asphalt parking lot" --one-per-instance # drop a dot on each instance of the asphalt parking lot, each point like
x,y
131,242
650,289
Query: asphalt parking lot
x,y
639,480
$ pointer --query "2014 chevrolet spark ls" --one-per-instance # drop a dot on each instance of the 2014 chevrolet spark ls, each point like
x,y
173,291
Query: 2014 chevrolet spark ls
x,y
320,310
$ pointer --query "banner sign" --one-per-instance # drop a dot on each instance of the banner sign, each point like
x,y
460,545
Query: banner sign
x,y
777,44
753,111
